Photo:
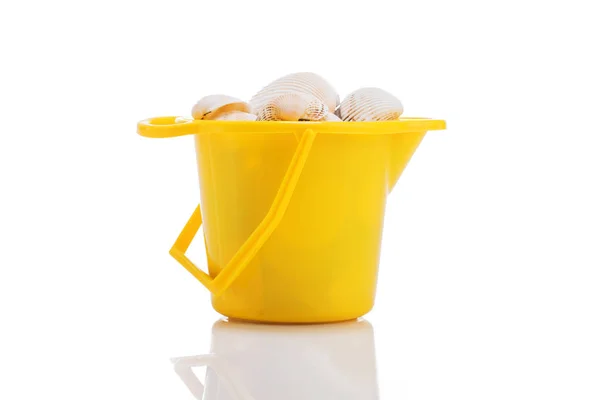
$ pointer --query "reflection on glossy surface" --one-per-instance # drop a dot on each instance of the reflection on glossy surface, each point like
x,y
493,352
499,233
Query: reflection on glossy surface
x,y
274,362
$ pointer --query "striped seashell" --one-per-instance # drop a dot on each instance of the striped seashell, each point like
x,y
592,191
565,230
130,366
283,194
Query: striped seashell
x,y
331,117
235,116
209,107
370,104
293,107
300,82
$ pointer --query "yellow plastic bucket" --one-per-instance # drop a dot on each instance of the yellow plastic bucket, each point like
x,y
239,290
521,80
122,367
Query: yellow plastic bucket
x,y
292,212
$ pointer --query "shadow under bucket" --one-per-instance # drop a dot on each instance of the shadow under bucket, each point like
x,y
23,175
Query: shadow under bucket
x,y
292,212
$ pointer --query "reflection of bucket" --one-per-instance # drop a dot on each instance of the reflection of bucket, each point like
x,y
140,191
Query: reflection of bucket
x,y
262,362
292,212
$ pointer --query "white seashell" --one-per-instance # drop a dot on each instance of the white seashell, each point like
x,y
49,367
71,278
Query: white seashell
x,y
293,107
211,106
235,116
331,117
300,82
370,104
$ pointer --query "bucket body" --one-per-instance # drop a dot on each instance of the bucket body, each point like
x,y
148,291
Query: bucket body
x,y
292,213
321,263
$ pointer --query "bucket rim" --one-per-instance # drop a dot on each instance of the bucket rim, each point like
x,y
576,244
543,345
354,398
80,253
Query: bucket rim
x,y
171,126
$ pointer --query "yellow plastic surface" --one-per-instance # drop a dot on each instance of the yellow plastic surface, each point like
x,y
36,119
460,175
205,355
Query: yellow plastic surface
x,y
293,212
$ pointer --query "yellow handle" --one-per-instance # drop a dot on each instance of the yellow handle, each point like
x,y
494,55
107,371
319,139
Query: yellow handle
x,y
167,127
257,239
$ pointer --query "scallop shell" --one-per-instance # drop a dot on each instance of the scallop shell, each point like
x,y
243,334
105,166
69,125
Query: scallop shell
x,y
331,117
300,82
235,116
209,107
370,104
293,107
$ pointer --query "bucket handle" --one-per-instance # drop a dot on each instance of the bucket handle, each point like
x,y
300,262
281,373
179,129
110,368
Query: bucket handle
x,y
257,239
167,127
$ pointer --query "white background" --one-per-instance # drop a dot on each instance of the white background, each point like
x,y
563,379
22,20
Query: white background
x,y
489,279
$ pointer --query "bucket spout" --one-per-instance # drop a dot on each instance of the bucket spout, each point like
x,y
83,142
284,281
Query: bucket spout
x,y
403,146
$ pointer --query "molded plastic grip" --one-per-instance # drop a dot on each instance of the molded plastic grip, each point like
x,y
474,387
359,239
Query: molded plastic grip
x,y
257,239
167,127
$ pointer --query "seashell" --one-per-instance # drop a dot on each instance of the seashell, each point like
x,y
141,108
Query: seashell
x,y
300,82
235,116
331,117
293,107
370,104
211,106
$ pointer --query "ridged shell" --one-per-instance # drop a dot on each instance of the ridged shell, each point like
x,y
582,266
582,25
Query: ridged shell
x,y
293,107
370,104
331,117
300,82
235,116
209,107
